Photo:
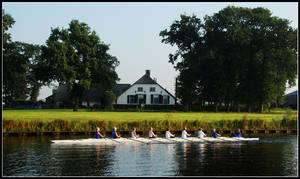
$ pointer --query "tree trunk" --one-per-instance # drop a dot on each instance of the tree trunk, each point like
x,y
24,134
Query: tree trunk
x,y
261,108
75,106
238,108
186,107
249,108
216,107
228,107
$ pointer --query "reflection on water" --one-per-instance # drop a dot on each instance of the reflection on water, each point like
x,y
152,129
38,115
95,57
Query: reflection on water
x,y
36,156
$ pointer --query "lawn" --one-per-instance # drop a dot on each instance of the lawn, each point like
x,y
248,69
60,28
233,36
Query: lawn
x,y
85,120
82,114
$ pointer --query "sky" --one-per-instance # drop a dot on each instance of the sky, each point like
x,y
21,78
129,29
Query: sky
x,y
130,28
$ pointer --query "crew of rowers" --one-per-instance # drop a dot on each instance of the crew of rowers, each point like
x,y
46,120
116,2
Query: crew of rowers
x,y
168,134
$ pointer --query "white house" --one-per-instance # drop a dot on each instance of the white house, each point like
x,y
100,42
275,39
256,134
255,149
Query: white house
x,y
145,91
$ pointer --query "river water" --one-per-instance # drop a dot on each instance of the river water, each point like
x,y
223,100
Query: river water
x,y
36,156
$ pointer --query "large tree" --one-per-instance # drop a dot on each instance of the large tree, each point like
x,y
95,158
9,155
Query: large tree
x,y
237,56
24,72
76,57
186,34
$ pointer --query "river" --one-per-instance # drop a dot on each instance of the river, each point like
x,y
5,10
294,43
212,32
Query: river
x,y
37,156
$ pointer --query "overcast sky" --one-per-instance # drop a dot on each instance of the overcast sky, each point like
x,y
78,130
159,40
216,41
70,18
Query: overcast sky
x,y
131,28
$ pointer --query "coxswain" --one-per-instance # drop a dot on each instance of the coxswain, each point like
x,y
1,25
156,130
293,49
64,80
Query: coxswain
x,y
238,133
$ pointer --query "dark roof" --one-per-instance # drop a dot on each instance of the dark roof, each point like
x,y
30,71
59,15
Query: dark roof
x,y
145,79
120,88
92,95
292,93
62,93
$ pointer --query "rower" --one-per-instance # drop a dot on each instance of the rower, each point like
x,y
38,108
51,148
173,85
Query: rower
x,y
133,134
238,133
151,133
168,134
115,134
98,134
184,134
215,134
201,134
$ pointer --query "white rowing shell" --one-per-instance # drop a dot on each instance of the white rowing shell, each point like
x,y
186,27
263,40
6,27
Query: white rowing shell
x,y
158,140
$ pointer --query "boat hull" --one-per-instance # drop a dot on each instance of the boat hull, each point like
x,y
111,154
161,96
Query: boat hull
x,y
158,140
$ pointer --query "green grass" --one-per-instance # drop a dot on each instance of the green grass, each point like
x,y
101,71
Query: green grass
x,y
85,120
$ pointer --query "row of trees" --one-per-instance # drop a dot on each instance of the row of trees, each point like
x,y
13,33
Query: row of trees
x,y
238,56
74,56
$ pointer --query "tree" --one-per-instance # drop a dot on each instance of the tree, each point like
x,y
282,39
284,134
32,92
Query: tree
x,y
8,22
237,56
23,70
186,34
76,57
260,46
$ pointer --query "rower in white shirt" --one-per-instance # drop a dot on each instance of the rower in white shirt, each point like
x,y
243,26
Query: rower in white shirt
x,y
168,134
184,134
201,134
133,134
151,133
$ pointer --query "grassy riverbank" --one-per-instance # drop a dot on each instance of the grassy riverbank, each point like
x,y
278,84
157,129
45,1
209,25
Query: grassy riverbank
x,y
84,120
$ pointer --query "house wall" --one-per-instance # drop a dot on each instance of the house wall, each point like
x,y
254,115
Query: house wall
x,y
133,90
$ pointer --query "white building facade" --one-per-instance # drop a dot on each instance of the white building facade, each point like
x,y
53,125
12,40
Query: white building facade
x,y
146,91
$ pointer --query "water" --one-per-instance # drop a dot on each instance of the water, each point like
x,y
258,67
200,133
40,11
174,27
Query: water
x,y
36,156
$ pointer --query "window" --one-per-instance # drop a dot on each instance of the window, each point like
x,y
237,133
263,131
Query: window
x,y
152,89
131,99
140,89
141,99
155,99
165,99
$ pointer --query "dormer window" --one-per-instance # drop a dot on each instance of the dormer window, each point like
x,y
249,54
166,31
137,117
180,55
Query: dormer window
x,y
152,89
140,89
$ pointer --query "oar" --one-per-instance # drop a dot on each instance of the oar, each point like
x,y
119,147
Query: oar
x,y
206,140
224,139
173,141
114,140
187,139
159,142
138,141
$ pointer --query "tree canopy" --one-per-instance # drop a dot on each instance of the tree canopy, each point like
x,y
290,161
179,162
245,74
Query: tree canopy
x,y
76,57
238,56
22,68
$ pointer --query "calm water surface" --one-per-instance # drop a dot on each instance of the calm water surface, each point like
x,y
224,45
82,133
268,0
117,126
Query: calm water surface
x,y
36,156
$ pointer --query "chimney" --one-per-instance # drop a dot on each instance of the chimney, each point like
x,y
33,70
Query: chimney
x,y
148,73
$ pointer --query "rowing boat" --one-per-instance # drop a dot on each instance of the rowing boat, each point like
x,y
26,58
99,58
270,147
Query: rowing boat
x,y
157,140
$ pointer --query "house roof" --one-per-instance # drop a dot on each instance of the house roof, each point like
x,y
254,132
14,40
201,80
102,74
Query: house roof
x,y
145,79
62,93
120,88
93,94
292,93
